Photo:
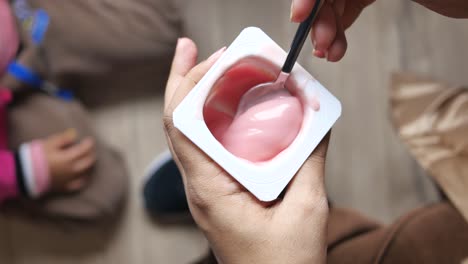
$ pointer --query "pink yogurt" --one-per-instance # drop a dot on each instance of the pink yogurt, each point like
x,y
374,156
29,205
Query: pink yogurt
x,y
264,130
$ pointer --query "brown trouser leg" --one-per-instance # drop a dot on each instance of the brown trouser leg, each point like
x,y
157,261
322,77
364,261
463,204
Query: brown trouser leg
x,y
433,234
38,116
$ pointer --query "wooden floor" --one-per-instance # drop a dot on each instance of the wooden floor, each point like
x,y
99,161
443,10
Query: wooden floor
x,y
368,168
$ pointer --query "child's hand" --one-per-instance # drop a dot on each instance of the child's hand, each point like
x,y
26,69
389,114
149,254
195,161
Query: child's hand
x,y
68,159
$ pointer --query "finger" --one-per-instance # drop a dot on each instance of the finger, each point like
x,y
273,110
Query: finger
x,y
64,139
324,30
352,11
339,6
300,9
84,164
80,150
76,184
185,59
190,80
308,185
338,48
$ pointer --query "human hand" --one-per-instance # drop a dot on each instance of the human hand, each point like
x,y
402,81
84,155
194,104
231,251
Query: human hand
x,y
240,228
68,159
328,30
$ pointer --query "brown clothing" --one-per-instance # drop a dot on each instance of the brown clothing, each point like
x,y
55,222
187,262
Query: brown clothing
x,y
432,235
432,120
92,38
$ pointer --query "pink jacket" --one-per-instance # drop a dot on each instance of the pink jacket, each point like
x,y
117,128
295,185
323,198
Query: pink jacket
x,y
8,182
27,171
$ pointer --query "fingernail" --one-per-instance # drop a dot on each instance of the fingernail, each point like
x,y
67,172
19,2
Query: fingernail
x,y
216,55
291,12
319,54
182,43
71,132
179,41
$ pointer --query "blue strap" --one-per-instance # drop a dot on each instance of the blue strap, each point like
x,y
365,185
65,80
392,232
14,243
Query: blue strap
x,y
39,28
31,78
65,95
24,74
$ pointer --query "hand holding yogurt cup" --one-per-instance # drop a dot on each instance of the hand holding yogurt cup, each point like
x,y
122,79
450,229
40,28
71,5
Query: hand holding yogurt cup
x,y
239,227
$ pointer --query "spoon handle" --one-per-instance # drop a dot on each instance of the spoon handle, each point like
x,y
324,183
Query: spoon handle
x,y
300,37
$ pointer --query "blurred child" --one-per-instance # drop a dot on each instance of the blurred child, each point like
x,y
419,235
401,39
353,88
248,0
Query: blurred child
x,y
52,164
41,155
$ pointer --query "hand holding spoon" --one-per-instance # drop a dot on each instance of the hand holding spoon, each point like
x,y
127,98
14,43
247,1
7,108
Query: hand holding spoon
x,y
258,93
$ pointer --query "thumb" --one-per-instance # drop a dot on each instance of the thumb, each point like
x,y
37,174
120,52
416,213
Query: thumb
x,y
185,151
179,88
184,60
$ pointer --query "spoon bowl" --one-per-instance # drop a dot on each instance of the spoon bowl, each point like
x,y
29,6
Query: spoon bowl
x,y
262,92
